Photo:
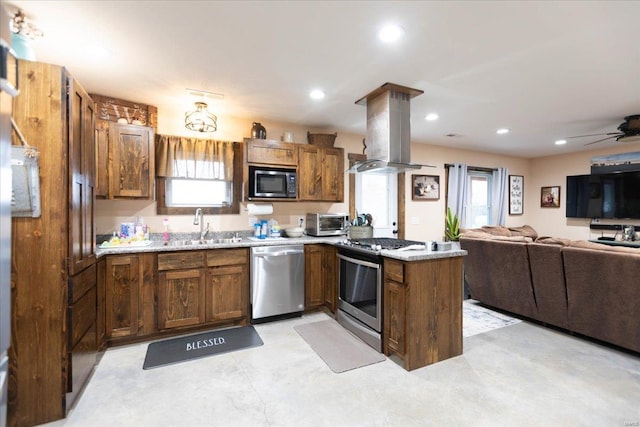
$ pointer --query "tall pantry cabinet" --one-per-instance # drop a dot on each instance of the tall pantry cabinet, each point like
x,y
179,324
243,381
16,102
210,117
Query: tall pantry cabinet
x,y
54,345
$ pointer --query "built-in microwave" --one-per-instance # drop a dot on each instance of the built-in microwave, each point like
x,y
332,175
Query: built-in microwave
x,y
272,183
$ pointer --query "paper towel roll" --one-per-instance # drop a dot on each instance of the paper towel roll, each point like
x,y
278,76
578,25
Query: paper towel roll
x,y
262,209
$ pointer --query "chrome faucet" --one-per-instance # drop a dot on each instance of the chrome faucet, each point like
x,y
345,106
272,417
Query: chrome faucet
x,y
199,220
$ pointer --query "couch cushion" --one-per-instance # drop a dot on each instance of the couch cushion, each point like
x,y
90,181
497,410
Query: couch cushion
x,y
497,273
557,241
547,276
525,230
603,293
496,230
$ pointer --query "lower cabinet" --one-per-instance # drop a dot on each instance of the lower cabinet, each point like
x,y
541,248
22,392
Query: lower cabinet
x,y
330,272
422,321
320,276
129,295
201,287
227,287
313,276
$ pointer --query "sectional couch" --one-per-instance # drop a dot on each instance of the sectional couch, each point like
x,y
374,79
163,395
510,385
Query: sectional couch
x,y
583,287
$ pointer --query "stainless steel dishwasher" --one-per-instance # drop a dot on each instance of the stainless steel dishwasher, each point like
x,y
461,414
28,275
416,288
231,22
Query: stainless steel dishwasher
x,y
277,282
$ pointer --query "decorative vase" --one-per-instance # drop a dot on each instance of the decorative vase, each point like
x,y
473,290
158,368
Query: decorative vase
x,y
258,131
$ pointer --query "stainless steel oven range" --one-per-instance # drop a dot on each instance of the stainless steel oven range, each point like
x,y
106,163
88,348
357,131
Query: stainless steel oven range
x,y
360,286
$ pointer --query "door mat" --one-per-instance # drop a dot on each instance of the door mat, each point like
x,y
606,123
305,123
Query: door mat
x,y
337,347
190,347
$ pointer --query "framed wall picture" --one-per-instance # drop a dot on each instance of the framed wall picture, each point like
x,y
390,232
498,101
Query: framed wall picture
x,y
425,187
550,197
516,194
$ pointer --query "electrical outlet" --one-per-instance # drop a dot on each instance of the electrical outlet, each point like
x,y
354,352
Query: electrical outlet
x,y
415,220
300,220
252,221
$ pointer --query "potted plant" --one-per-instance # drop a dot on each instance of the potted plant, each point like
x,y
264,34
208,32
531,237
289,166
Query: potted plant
x,y
452,227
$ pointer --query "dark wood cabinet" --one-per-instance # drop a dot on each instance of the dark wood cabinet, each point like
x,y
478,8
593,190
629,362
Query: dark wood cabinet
x,y
321,174
422,321
125,161
330,273
129,288
131,161
181,298
227,290
123,283
313,276
271,152
53,293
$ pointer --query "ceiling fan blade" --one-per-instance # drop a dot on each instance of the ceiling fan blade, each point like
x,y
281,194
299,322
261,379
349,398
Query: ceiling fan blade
x,y
594,134
603,139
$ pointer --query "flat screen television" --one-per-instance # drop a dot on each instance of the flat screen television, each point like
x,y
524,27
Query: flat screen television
x,y
611,195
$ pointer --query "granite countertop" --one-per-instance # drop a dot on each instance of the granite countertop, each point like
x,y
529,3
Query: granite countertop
x,y
247,242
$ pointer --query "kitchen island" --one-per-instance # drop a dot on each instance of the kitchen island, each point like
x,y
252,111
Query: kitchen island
x,y
422,292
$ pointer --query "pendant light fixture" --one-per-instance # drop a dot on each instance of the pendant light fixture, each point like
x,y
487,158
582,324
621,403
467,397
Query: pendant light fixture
x,y
201,120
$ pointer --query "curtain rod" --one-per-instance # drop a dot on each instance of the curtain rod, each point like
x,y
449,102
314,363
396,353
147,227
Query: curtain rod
x,y
473,168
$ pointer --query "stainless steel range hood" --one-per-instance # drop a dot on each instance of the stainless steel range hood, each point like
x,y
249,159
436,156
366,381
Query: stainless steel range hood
x,y
388,141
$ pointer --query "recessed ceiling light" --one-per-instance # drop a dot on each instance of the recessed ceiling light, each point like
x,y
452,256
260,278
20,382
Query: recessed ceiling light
x,y
316,94
561,142
502,131
431,117
390,33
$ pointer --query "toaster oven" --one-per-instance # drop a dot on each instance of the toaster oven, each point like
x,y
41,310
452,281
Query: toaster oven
x,y
326,224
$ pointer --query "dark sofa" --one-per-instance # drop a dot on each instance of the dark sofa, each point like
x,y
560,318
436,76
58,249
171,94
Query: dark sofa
x,y
583,287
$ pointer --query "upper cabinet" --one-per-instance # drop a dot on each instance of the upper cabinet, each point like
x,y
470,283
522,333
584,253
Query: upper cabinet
x,y
131,155
125,162
124,153
320,170
271,152
321,173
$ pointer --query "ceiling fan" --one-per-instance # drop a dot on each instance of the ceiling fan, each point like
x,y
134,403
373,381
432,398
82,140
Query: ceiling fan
x,y
629,131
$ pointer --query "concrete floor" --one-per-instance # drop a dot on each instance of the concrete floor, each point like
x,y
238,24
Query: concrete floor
x,y
518,375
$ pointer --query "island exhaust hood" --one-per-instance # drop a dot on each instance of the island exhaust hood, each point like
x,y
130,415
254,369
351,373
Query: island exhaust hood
x,y
388,141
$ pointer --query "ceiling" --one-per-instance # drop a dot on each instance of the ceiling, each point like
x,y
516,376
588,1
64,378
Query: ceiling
x,y
545,70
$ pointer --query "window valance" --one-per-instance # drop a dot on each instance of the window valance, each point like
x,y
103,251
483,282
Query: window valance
x,y
182,157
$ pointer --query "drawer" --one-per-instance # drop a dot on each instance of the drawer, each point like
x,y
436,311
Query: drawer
x,y
227,257
180,260
81,283
394,270
83,315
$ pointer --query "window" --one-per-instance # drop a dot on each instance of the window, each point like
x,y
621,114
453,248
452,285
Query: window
x,y
376,195
182,192
192,175
479,207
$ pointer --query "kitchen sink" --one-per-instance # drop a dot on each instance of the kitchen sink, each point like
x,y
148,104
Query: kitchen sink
x,y
179,243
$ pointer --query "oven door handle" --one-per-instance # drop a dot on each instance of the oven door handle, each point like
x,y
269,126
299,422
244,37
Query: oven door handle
x,y
359,261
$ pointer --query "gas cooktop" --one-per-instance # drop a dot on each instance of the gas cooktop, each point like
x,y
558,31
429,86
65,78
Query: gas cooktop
x,y
376,244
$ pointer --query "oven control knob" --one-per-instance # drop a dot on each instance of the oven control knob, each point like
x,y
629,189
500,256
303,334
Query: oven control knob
x,y
376,247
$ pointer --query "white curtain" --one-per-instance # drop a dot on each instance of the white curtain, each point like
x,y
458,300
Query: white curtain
x,y
499,196
457,192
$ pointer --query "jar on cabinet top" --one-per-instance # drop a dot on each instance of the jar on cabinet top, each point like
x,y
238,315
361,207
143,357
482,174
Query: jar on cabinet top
x,y
258,131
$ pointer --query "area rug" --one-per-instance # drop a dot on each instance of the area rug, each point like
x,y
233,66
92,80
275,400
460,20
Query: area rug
x,y
337,347
477,319
175,350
